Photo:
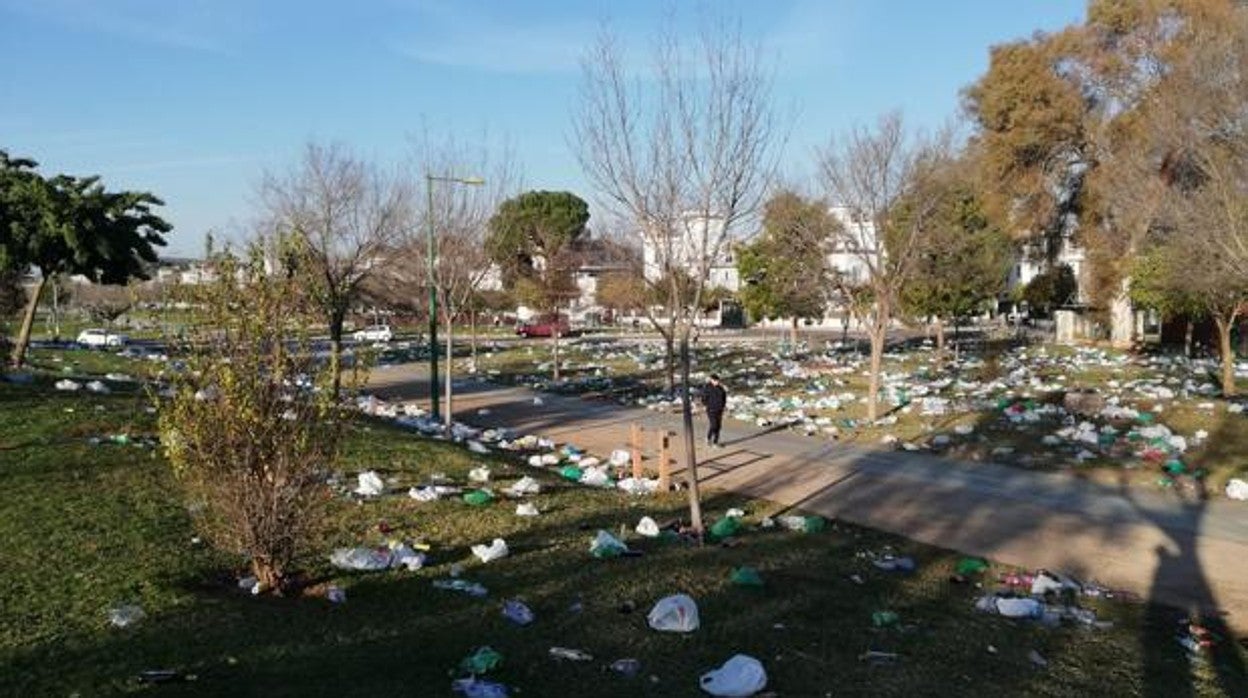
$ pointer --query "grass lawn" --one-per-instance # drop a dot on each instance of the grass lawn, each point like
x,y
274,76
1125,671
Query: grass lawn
x,y
85,526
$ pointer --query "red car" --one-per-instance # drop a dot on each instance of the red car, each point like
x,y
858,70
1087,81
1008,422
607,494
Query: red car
x,y
544,327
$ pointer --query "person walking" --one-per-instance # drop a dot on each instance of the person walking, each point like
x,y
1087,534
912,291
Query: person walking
x,y
715,397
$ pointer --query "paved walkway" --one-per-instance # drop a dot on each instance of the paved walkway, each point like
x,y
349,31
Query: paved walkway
x,y
1193,554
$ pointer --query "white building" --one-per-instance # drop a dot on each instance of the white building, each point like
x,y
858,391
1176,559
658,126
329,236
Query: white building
x,y
855,242
1031,263
689,247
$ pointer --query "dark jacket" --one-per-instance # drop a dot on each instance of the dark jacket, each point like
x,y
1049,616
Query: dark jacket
x,y
714,397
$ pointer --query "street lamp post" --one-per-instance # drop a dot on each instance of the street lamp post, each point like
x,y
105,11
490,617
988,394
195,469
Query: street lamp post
x,y
434,398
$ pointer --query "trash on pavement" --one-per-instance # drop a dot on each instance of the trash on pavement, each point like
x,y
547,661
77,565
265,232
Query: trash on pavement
x,y
1237,489
494,551
677,613
740,676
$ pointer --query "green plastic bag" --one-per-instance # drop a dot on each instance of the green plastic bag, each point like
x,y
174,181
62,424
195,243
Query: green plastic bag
x,y
482,660
725,527
968,566
1145,417
814,524
883,619
478,497
571,472
746,577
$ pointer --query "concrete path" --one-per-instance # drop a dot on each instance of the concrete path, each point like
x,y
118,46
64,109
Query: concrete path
x,y
1186,552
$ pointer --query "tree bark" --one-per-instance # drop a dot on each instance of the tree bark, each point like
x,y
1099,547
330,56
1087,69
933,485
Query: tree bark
x,y
670,362
879,331
691,455
28,319
472,338
793,333
1227,354
335,350
448,369
939,326
1189,329
554,343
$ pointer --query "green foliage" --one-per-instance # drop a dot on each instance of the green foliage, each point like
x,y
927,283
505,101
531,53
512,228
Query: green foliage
x,y
532,239
1055,286
962,260
12,295
1153,286
785,272
252,428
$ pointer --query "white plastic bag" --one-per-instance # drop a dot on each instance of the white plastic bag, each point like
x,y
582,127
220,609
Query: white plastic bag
x,y
479,474
647,527
370,484
1237,489
525,485
493,551
620,458
1020,608
678,614
526,509
742,675
361,559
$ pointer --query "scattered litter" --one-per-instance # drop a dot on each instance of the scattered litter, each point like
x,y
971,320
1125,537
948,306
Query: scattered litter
x,y
605,545
479,474
478,497
804,524
125,615
746,577
429,493
626,667
725,527
1237,489
482,660
527,509
647,527
677,613
98,387
895,564
469,588
494,551
740,676
370,484
68,385
969,566
1037,659
336,595
570,654
362,559
477,447
515,611
477,688
525,485
884,619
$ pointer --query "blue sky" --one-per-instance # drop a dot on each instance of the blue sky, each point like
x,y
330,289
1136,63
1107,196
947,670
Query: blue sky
x,y
195,99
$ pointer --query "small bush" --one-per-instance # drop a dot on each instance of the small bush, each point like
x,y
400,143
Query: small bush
x,y
250,426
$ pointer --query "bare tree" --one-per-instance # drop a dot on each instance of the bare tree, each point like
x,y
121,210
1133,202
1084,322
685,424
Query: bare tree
x,y
685,159
344,213
868,173
460,220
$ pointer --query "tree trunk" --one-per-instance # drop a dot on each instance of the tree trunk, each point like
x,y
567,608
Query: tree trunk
x,y
1189,329
335,351
939,326
879,332
1243,338
472,337
450,366
691,455
554,343
1227,354
1121,319
267,574
669,342
28,319
793,333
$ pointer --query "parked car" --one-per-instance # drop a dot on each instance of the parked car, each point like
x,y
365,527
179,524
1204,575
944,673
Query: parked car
x,y
374,333
100,339
545,327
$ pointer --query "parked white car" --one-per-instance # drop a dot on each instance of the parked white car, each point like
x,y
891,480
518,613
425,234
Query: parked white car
x,y
374,333
100,339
